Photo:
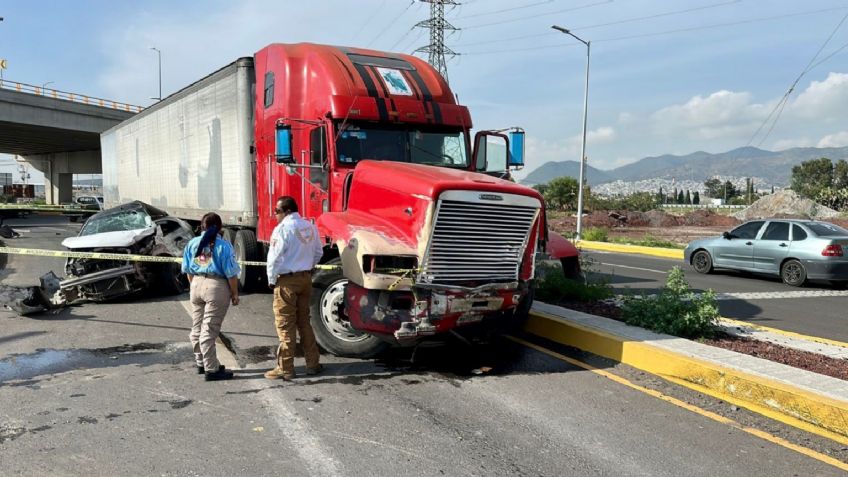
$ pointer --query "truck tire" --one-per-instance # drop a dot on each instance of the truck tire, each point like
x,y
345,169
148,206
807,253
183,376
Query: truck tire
x,y
245,248
229,235
571,268
331,325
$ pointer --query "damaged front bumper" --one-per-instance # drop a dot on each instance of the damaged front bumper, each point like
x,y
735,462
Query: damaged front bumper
x,y
427,310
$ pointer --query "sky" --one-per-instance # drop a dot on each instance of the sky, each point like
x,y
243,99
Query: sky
x,y
666,76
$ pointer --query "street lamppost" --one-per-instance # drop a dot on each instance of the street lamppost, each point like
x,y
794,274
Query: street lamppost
x,y
583,147
44,88
159,54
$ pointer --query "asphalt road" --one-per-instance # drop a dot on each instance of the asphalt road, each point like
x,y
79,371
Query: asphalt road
x,y
110,389
816,309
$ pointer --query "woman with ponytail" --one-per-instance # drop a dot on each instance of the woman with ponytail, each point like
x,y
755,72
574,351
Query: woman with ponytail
x,y
213,271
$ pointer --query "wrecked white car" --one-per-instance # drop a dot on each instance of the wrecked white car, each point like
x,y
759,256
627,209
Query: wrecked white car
x,y
135,228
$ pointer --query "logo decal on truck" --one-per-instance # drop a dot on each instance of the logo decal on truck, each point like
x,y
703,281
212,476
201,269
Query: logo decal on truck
x,y
491,197
395,82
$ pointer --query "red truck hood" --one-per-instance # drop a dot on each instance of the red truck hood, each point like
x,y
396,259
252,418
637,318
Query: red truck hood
x,y
429,181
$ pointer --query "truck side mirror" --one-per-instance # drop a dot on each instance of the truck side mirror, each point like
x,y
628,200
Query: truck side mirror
x,y
491,151
283,152
516,148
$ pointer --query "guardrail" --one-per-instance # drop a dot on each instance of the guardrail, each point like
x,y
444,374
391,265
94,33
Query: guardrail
x,y
64,95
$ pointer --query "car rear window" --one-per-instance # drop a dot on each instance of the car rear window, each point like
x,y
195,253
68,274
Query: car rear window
x,y
798,233
824,229
776,231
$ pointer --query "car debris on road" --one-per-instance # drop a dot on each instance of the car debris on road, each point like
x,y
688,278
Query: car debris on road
x,y
135,228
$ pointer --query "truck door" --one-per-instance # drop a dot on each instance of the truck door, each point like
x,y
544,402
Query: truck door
x,y
316,197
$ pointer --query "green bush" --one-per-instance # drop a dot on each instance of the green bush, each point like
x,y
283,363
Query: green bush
x,y
596,234
676,310
552,286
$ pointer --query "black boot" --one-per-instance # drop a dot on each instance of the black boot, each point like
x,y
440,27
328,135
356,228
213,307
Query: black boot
x,y
220,375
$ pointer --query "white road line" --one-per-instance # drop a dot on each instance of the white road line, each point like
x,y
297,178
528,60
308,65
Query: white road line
x,y
770,295
633,268
304,441
308,446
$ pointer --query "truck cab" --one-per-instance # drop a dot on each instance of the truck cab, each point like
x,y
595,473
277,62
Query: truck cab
x,y
422,235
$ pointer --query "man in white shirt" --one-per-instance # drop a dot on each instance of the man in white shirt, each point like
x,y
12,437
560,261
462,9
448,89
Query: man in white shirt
x,y
295,250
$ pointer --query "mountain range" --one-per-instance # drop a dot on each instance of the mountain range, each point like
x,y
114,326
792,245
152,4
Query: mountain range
x,y
773,167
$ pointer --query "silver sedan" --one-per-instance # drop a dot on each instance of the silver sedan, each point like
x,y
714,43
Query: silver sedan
x,y
795,250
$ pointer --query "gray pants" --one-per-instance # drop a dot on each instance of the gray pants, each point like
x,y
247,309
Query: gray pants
x,y
210,299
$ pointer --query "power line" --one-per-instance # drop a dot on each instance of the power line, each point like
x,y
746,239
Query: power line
x,y
392,22
588,5
619,22
505,10
370,19
783,101
666,32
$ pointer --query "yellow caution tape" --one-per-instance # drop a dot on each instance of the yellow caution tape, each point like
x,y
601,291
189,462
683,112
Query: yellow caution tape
x,y
37,252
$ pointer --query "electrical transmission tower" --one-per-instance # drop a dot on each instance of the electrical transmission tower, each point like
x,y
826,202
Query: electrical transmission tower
x,y
437,50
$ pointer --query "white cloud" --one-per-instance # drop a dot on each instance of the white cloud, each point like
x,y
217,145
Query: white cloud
x,y
823,100
839,139
784,144
723,114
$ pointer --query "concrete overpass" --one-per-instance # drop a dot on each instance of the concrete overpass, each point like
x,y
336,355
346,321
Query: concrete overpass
x,y
56,132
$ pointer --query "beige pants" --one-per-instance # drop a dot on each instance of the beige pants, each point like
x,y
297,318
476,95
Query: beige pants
x,y
210,298
291,316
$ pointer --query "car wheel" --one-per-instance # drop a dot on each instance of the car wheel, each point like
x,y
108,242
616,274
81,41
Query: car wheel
x,y
702,262
330,322
793,273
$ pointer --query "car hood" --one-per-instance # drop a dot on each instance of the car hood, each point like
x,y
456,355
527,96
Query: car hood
x,y
120,238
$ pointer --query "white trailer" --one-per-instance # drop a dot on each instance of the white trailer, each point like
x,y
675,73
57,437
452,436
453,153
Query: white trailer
x,y
190,153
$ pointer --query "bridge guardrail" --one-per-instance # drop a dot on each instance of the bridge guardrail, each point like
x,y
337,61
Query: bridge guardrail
x,y
73,97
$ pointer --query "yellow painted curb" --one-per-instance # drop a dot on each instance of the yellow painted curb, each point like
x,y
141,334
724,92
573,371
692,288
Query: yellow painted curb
x,y
636,249
785,403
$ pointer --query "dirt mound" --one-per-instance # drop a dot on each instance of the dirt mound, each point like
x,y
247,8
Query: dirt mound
x,y
786,204
658,218
708,218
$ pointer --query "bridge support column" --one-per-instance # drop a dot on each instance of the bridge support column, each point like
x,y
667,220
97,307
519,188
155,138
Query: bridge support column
x,y
59,188
59,168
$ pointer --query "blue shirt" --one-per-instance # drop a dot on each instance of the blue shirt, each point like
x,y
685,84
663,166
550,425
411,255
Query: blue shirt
x,y
220,260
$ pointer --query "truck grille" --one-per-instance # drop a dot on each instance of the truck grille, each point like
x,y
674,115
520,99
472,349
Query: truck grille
x,y
474,241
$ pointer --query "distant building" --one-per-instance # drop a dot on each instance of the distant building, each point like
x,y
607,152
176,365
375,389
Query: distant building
x,y
5,178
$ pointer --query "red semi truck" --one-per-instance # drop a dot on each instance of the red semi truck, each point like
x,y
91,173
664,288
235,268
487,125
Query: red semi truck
x,y
421,234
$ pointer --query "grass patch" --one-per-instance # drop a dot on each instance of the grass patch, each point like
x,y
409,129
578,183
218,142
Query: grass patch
x,y
596,234
647,241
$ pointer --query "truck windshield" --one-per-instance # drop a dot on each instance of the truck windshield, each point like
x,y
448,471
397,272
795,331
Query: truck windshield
x,y
384,143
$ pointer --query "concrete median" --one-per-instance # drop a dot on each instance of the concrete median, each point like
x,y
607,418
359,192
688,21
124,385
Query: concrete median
x,y
809,401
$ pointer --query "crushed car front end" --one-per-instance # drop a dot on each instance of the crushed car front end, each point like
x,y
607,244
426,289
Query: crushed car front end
x,y
131,229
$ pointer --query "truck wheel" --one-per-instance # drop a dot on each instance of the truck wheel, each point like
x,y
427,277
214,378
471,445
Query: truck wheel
x,y
329,321
229,235
571,267
245,248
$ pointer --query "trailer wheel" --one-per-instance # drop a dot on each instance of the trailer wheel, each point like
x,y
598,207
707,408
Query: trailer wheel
x,y
245,248
329,321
